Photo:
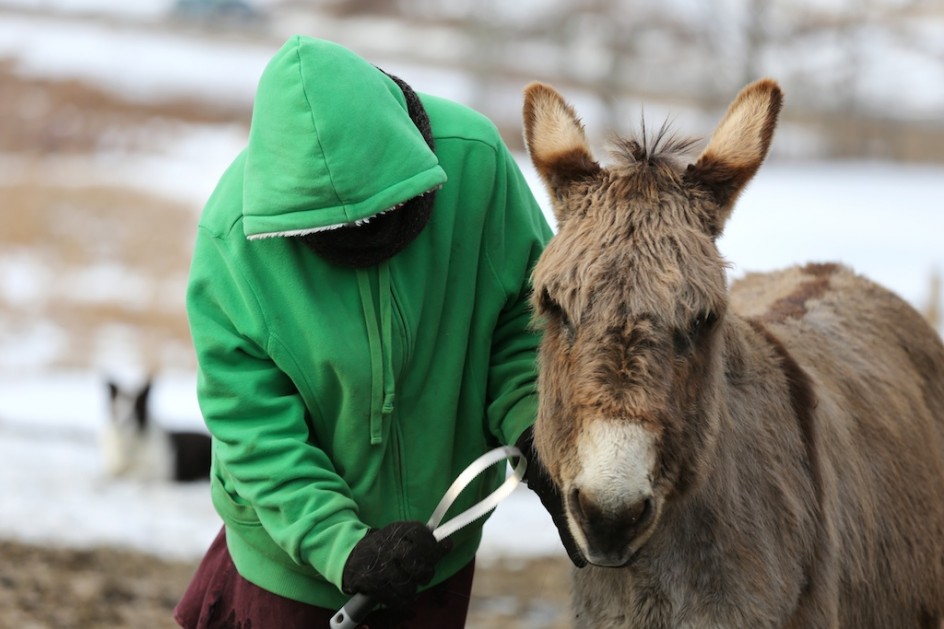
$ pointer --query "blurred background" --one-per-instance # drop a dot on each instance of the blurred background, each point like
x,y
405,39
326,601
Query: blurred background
x,y
117,118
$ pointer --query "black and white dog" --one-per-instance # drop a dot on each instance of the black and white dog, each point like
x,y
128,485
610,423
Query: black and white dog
x,y
135,447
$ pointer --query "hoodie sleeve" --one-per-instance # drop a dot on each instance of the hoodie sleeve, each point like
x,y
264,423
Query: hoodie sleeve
x,y
516,235
264,465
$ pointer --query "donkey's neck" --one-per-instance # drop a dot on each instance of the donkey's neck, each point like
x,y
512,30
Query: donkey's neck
x,y
768,402
766,418
753,516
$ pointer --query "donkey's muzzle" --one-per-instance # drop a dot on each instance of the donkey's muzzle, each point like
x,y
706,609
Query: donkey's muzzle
x,y
610,532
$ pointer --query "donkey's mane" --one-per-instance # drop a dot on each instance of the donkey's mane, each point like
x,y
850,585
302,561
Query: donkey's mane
x,y
665,146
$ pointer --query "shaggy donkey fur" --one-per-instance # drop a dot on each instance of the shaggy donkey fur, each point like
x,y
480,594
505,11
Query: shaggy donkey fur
x,y
772,456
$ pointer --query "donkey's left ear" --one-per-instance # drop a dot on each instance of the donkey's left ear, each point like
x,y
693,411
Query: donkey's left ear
x,y
556,142
737,147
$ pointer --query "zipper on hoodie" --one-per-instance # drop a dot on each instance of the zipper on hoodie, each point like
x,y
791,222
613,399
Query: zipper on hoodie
x,y
406,347
396,430
403,499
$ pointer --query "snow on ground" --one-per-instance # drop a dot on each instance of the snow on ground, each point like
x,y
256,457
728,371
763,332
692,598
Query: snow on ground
x,y
148,63
138,64
52,489
884,220
146,9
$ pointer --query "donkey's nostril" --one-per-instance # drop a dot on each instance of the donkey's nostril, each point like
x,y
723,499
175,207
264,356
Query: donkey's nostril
x,y
574,500
583,506
638,513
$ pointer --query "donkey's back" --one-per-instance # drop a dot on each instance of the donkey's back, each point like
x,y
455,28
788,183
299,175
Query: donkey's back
x,y
877,372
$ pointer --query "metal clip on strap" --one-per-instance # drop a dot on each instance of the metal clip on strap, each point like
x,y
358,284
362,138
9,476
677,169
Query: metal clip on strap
x,y
356,609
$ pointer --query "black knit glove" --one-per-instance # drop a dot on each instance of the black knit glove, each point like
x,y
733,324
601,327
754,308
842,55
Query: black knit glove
x,y
390,563
541,483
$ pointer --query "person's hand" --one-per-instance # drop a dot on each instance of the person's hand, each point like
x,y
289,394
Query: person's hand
x,y
391,563
541,483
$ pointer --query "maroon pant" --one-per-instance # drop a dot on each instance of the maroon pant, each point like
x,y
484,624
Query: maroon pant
x,y
219,598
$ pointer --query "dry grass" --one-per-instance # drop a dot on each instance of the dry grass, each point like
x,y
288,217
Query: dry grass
x,y
84,245
77,226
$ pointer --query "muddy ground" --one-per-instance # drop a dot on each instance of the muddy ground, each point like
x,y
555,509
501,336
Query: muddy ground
x,y
57,588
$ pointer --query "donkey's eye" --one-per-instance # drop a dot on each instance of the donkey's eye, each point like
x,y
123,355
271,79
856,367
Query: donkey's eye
x,y
553,309
685,340
700,324
683,343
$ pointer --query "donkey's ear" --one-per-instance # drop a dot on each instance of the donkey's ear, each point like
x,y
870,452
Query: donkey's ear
x,y
556,142
738,146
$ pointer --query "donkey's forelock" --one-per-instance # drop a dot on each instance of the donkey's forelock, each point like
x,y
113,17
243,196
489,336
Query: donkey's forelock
x,y
665,147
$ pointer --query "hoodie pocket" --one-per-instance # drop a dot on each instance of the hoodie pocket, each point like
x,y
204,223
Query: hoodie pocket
x,y
231,509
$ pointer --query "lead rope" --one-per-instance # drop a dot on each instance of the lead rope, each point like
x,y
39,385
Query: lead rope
x,y
357,608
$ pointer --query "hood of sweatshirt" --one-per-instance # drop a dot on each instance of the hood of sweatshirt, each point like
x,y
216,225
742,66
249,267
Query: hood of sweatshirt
x,y
331,143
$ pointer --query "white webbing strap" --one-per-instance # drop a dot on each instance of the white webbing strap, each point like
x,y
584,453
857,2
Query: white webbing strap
x,y
354,611
479,465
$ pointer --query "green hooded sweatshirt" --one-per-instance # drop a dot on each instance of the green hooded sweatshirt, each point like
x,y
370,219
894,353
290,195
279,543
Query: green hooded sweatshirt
x,y
342,399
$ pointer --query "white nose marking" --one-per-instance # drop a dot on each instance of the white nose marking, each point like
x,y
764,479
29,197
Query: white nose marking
x,y
617,458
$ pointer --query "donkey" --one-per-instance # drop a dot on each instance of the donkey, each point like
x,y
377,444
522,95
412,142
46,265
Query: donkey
x,y
135,447
772,456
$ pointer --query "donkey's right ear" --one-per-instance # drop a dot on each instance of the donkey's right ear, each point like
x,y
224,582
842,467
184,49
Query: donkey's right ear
x,y
556,142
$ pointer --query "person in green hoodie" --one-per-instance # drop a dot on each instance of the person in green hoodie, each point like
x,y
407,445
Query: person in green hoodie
x,y
358,302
